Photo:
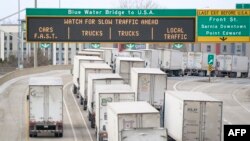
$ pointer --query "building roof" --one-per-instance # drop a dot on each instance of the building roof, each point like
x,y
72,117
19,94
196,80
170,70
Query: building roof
x,y
42,81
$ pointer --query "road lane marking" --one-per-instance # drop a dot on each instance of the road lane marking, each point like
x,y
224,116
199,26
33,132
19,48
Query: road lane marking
x,y
81,115
237,101
66,107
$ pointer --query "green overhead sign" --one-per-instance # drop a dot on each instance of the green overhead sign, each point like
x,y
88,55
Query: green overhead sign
x,y
95,45
41,12
243,6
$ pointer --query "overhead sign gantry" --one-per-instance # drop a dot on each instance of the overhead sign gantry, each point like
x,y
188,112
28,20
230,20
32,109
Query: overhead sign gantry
x,y
110,25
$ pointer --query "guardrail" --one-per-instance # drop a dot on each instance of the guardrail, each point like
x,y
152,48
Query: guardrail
x,y
28,71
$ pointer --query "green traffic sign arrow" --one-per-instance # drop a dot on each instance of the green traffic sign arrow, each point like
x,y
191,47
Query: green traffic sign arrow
x,y
210,59
130,46
178,45
44,45
95,45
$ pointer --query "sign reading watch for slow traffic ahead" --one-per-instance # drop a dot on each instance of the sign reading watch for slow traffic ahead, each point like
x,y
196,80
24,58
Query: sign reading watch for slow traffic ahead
x,y
102,29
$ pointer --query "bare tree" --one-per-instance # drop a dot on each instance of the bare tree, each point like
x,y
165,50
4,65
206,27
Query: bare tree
x,y
142,4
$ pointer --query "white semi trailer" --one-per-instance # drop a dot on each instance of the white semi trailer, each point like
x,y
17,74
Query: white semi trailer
x,y
232,66
85,70
76,68
144,134
124,64
130,115
95,80
104,95
45,106
192,116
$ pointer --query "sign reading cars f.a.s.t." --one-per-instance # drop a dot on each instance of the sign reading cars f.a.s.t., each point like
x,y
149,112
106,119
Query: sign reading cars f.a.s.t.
x,y
236,132
107,25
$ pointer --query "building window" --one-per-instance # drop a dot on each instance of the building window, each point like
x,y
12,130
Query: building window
x,y
208,48
11,46
224,48
238,48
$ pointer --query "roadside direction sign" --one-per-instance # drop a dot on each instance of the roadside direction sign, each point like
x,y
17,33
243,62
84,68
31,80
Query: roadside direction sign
x,y
210,59
45,45
223,25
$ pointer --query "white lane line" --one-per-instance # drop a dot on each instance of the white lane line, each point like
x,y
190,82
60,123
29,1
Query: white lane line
x,y
81,116
234,97
227,121
66,107
176,84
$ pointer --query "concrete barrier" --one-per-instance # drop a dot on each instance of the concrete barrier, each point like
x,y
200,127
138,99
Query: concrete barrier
x,y
28,71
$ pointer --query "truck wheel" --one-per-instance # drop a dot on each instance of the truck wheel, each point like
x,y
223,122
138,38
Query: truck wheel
x,y
60,134
56,134
81,101
31,135
85,105
89,116
92,123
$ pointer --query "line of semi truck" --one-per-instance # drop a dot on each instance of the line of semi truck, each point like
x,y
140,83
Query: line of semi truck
x,y
126,98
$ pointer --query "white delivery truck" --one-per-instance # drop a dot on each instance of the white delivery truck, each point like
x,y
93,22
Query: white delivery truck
x,y
144,134
193,63
192,116
108,55
106,94
171,62
232,66
125,53
89,53
149,85
151,57
124,64
45,106
93,81
100,51
130,115
76,68
85,70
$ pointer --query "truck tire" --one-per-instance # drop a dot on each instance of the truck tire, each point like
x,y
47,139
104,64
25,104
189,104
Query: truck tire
x,y
60,134
85,105
92,123
89,116
56,134
81,101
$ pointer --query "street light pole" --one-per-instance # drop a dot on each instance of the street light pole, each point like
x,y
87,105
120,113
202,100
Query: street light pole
x,y
19,33
35,45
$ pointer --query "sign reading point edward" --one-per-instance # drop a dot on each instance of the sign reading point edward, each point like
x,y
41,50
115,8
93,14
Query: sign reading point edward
x,y
236,132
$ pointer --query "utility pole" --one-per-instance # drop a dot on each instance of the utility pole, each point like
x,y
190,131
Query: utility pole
x,y
35,46
19,36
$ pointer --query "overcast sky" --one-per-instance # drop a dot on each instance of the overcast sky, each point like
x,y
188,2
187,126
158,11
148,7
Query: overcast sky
x,y
8,7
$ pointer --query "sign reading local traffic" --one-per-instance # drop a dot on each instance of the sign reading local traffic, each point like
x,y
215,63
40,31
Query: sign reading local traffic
x,y
223,25
115,28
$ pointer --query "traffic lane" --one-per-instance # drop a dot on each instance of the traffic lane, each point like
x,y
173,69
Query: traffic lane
x,y
87,132
13,112
78,124
67,126
14,108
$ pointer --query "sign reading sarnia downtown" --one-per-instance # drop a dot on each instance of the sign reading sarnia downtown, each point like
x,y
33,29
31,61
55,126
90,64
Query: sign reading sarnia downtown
x,y
111,26
223,25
